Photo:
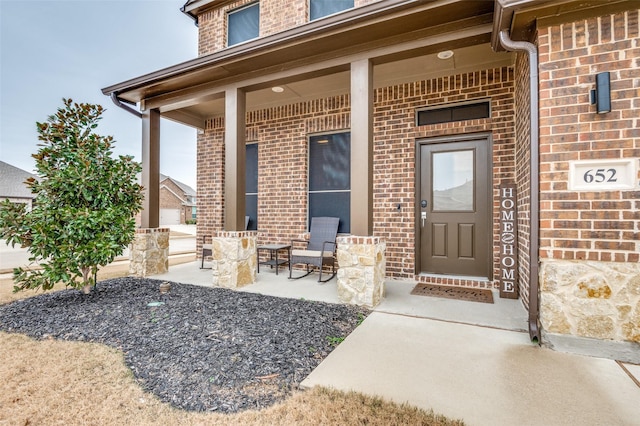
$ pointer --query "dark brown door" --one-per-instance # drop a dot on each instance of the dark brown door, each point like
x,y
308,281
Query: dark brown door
x,y
454,207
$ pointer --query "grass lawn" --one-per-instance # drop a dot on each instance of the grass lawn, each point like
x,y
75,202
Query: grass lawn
x,y
73,383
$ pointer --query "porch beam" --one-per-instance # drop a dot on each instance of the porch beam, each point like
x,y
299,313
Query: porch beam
x,y
362,148
186,118
235,153
151,168
460,37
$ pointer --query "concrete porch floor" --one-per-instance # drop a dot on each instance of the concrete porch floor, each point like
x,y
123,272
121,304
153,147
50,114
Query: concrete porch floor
x,y
467,360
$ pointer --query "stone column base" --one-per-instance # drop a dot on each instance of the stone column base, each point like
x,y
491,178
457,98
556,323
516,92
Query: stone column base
x,y
234,258
149,252
361,273
591,299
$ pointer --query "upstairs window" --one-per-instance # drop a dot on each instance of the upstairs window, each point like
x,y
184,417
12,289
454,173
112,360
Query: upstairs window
x,y
321,8
243,24
330,178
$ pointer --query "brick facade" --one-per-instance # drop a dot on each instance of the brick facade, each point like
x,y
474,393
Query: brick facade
x,y
589,240
523,170
282,134
599,226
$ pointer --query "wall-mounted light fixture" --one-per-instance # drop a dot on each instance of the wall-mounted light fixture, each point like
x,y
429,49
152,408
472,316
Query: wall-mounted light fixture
x,y
601,95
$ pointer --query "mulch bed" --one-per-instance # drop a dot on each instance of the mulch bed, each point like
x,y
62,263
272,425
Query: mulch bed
x,y
204,349
452,292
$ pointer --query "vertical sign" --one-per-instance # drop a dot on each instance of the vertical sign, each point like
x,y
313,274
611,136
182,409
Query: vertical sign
x,y
508,242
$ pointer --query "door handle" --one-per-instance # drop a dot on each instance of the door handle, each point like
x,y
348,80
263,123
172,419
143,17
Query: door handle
x,y
423,217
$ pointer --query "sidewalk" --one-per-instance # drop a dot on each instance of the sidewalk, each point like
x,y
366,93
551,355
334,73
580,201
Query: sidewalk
x,y
482,375
465,360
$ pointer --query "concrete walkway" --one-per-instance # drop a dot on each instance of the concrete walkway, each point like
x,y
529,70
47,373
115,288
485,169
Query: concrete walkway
x,y
471,361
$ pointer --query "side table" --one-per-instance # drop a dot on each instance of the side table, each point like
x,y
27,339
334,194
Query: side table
x,y
273,259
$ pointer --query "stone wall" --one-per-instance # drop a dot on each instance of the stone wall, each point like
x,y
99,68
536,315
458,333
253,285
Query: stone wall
x,y
592,299
361,272
149,252
234,259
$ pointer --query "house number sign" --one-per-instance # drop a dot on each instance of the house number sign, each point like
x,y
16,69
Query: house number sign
x,y
598,175
508,242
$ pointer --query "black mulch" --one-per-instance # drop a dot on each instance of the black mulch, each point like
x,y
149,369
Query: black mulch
x,y
205,349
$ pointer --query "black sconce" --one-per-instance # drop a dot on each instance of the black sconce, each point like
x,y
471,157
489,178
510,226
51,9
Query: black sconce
x,y
601,95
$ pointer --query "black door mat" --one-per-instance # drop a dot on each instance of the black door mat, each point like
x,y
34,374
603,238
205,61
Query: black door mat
x,y
451,292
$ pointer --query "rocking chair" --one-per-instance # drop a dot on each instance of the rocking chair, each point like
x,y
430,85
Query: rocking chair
x,y
320,249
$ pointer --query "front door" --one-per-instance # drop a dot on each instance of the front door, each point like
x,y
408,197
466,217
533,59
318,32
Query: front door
x,y
454,206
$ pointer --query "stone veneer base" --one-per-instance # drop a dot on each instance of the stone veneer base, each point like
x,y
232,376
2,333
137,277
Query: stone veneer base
x,y
234,259
591,299
361,272
149,252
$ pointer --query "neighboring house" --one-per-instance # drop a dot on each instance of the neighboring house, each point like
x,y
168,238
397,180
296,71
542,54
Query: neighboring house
x,y
13,187
461,133
177,202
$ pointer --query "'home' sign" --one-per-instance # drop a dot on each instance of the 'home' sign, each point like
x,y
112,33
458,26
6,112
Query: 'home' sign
x,y
508,242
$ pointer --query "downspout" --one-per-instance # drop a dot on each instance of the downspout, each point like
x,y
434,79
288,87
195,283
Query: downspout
x,y
114,98
534,307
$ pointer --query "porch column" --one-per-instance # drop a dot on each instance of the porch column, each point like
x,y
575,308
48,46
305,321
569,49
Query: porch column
x,y
362,148
149,250
234,249
151,168
235,153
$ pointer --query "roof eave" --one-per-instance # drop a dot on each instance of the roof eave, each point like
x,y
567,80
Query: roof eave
x,y
314,29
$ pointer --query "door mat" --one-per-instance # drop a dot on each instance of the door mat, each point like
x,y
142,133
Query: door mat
x,y
450,292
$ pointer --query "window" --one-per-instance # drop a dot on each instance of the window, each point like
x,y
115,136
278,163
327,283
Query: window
x,y
251,191
330,178
193,212
321,8
467,111
243,24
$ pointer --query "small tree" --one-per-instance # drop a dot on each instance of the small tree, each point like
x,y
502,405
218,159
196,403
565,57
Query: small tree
x,y
83,214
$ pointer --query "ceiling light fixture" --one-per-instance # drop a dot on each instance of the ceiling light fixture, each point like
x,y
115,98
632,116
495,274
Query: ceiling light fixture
x,y
446,54
277,89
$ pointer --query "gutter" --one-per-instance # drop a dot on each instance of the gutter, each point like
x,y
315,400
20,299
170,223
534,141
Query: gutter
x,y
530,48
118,102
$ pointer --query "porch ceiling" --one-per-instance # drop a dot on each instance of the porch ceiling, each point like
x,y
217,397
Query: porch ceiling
x,y
407,70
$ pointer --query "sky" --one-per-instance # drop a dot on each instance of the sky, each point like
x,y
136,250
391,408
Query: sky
x,y
54,49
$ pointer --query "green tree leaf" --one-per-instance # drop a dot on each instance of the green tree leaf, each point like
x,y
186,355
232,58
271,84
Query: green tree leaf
x,y
86,200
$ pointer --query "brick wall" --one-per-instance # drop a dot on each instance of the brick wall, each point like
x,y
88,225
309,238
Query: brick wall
x,y
275,16
282,135
522,171
395,136
602,225
210,181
